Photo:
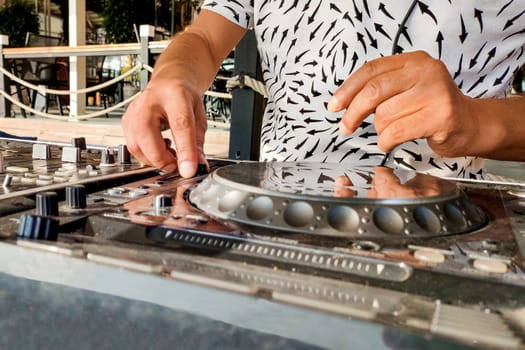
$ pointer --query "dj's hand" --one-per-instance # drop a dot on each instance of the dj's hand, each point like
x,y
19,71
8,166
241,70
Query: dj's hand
x,y
413,96
167,104
385,184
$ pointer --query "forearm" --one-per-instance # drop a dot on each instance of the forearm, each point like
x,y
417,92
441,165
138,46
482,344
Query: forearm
x,y
500,128
195,55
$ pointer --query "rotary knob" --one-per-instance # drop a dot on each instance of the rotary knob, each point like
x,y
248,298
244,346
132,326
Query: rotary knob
x,y
46,204
38,227
76,197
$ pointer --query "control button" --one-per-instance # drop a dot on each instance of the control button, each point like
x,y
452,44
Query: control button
x,y
40,182
429,256
28,181
71,154
76,197
46,204
38,227
41,151
137,193
116,191
16,169
490,265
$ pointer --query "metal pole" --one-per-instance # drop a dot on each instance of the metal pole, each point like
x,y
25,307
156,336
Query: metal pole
x,y
247,105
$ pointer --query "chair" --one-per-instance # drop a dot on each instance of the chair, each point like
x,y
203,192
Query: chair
x,y
43,70
102,76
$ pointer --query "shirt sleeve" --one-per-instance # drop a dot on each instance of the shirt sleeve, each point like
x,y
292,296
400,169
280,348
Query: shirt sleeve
x,y
239,12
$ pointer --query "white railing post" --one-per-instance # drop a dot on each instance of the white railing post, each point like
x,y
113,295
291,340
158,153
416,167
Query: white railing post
x,y
77,64
146,32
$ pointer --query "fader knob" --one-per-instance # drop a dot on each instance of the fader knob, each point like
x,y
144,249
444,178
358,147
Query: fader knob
x,y
76,197
162,201
46,204
38,227
124,157
107,158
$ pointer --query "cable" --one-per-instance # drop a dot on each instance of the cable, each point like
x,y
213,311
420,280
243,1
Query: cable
x,y
395,50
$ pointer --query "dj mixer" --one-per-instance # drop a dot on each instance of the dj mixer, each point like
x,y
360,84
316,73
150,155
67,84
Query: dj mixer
x,y
432,259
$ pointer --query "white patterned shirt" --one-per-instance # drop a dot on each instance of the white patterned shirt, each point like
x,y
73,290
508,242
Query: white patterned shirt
x,y
309,47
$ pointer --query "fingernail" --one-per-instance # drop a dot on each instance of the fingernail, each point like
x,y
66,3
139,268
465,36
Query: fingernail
x,y
343,129
333,104
169,168
186,169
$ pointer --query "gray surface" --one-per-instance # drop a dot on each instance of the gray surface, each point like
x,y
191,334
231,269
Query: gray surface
x,y
48,301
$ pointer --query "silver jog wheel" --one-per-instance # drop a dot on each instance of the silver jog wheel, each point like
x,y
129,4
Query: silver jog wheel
x,y
337,200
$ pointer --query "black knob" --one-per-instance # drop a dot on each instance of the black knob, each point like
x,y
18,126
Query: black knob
x,y
38,227
124,157
76,197
47,204
162,201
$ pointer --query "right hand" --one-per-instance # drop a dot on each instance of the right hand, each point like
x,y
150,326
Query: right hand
x,y
173,104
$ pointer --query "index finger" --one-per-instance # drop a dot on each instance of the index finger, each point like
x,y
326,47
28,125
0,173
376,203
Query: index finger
x,y
182,120
357,80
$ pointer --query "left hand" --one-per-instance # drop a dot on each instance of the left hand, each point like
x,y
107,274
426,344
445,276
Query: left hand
x,y
413,96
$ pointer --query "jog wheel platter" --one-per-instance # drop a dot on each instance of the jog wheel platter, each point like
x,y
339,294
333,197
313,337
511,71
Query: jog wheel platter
x,y
335,200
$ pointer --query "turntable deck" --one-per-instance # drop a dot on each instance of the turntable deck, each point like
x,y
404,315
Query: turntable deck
x,y
382,246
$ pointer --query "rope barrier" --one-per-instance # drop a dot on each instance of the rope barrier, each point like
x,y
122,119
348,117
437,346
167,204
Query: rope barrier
x,y
242,81
68,118
43,90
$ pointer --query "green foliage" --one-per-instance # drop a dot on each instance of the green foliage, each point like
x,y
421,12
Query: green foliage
x,y
16,19
120,15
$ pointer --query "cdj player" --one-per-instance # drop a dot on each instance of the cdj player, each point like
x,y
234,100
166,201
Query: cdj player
x,y
321,255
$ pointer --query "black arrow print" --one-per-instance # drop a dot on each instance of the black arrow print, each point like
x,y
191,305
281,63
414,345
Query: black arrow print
x,y
464,32
311,18
479,81
416,156
490,55
510,22
474,59
351,151
373,41
458,71
382,9
432,162
332,141
334,7
499,80
504,7
425,10
358,14
478,14
439,40
311,152
361,39
401,161
314,32
379,29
